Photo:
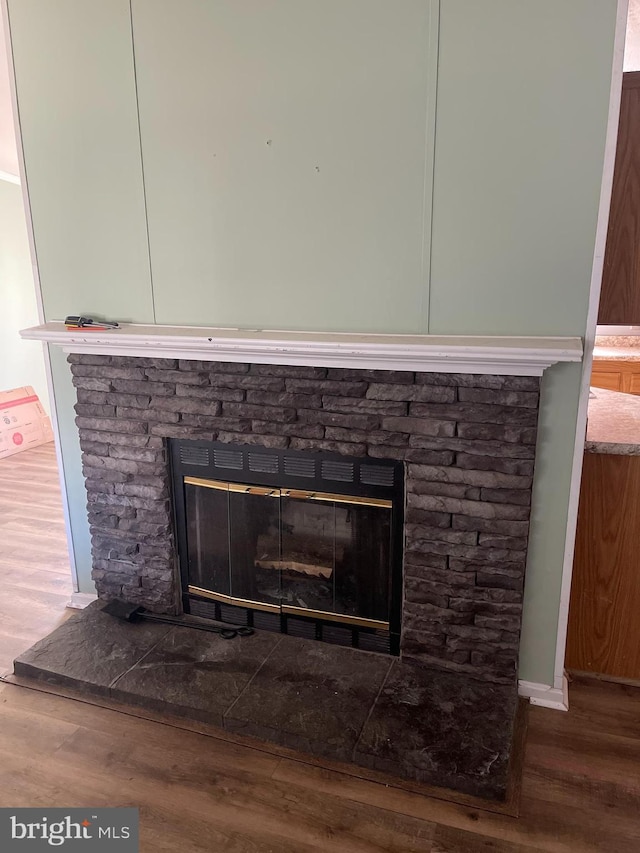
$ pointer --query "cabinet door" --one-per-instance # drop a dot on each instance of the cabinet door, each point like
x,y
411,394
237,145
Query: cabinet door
x,y
603,633
77,101
286,146
609,379
634,383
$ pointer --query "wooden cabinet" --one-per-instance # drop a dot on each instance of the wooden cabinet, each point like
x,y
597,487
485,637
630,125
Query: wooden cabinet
x,y
616,375
604,628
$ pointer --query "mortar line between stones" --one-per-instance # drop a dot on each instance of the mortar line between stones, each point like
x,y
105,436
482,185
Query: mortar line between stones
x,y
373,705
148,652
250,682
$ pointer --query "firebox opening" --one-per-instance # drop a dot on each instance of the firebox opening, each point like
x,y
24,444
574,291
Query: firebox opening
x,y
256,548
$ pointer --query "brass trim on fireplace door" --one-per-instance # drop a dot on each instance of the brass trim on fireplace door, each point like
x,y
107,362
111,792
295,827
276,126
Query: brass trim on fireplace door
x,y
238,602
207,484
233,487
296,494
254,490
302,494
290,610
335,617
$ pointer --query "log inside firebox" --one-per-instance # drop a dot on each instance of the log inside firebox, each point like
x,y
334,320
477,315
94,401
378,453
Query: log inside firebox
x,y
313,557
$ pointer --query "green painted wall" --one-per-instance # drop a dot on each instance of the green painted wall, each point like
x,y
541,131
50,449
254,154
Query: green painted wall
x,y
523,96
556,438
522,99
21,362
77,105
74,71
285,147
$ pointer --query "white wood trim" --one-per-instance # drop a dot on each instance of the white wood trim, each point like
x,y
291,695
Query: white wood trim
x,y
592,319
545,695
624,331
4,10
80,600
516,356
11,179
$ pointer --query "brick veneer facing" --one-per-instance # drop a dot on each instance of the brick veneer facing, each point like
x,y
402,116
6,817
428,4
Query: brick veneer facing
x,y
468,443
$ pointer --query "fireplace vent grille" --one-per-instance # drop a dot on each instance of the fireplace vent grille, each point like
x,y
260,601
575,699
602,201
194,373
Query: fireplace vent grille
x,y
374,643
340,471
260,463
228,459
274,463
194,455
297,467
337,635
376,475
301,628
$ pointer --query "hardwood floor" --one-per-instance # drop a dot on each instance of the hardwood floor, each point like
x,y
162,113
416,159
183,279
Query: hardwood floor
x,y
35,575
197,793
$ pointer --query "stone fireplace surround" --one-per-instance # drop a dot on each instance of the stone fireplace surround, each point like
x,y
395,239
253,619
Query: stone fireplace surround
x,y
467,441
459,413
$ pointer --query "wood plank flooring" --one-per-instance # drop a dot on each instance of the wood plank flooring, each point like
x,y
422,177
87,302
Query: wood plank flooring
x,y
197,793
35,576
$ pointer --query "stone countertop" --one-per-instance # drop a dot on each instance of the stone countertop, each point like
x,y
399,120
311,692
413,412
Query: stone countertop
x,y
614,423
617,347
617,353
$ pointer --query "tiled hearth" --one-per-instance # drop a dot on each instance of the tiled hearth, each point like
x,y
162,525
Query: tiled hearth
x,y
369,712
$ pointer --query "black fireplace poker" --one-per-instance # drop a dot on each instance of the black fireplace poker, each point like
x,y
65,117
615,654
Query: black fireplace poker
x,y
133,613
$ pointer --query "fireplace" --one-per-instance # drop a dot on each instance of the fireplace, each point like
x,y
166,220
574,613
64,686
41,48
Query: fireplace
x,y
307,544
369,492
465,443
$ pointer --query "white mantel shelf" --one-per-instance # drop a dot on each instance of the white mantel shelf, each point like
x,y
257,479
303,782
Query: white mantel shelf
x,y
510,356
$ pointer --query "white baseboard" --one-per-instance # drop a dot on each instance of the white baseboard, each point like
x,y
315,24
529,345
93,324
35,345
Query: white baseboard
x,y
545,695
80,600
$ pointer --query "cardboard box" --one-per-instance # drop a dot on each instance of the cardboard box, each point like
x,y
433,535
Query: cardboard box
x,y
23,421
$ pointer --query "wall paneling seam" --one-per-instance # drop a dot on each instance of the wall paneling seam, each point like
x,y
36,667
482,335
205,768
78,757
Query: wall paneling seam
x,y
144,185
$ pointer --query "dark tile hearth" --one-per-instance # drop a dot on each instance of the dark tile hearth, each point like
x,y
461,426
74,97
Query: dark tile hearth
x,y
91,649
428,726
337,703
195,673
310,696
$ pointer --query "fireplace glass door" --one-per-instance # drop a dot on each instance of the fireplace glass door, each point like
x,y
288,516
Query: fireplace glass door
x,y
295,552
